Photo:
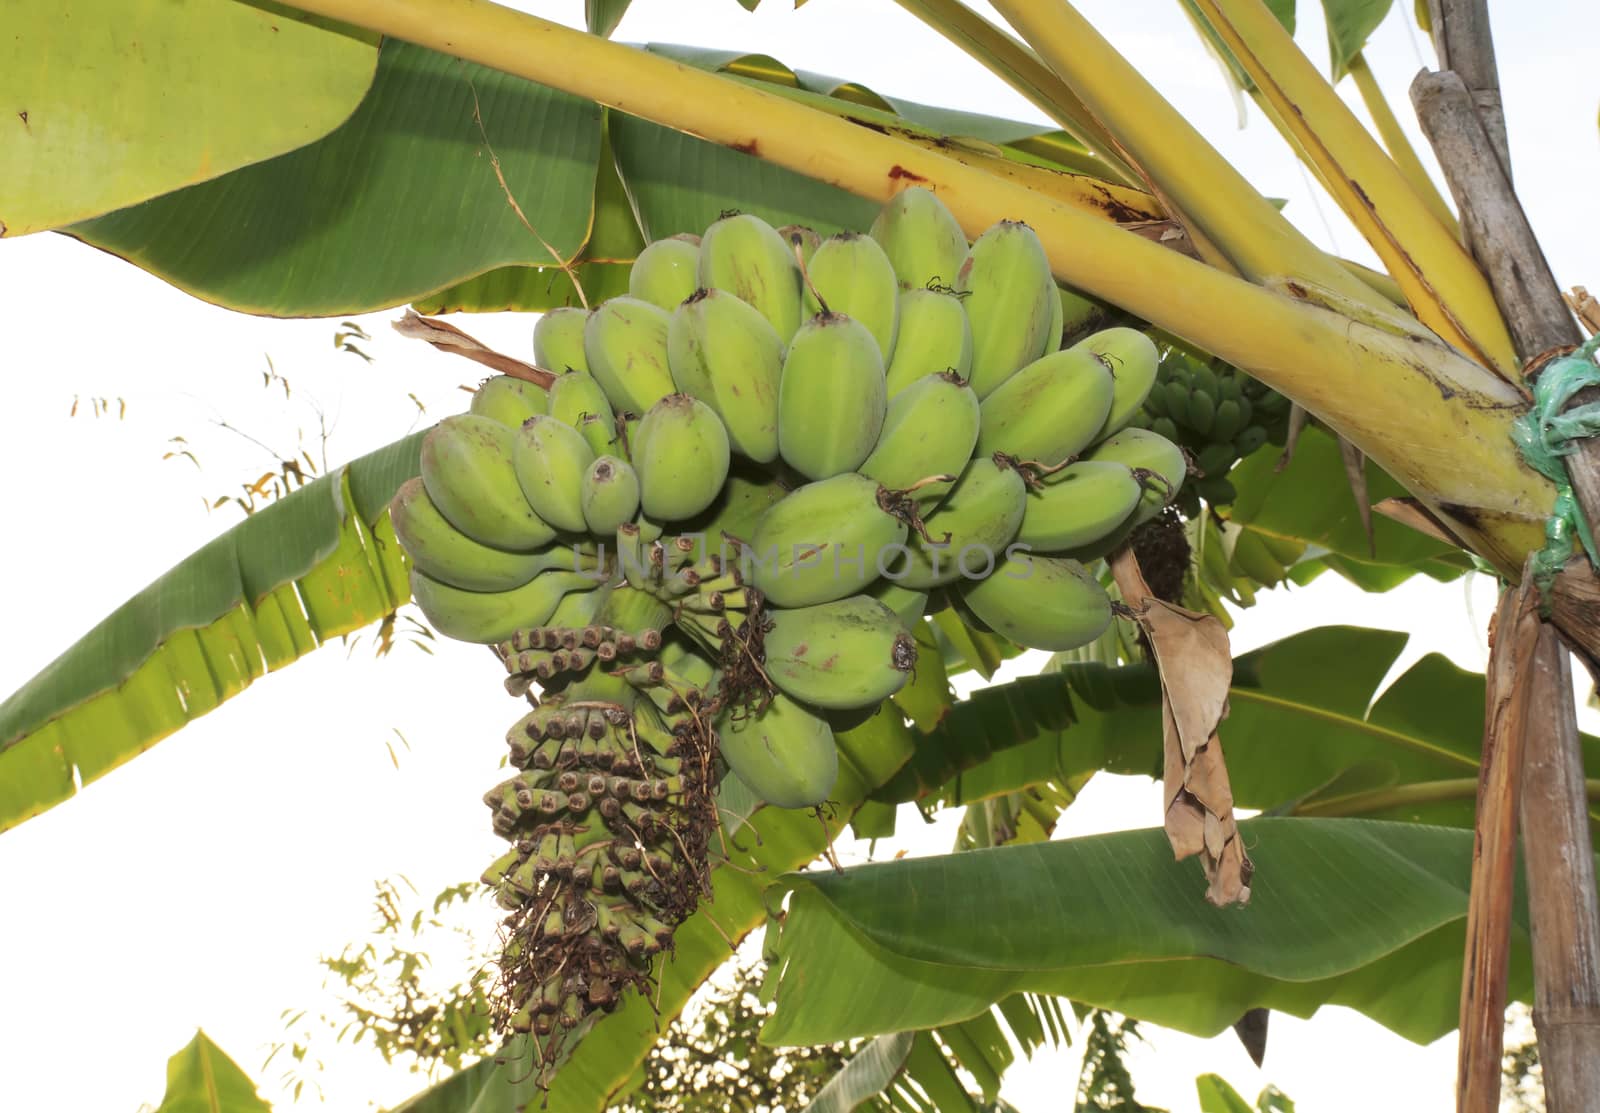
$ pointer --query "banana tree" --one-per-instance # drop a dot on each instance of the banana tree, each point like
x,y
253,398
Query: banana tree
x,y
529,163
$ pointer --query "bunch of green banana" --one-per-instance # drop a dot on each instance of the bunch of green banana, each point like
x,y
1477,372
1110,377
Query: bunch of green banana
x,y
702,551
1218,414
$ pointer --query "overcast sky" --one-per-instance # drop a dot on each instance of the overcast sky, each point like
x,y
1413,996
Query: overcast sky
x,y
197,886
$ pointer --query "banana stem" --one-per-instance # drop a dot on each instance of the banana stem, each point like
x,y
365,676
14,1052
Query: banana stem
x,y
1212,197
1399,147
1020,68
1415,406
1442,284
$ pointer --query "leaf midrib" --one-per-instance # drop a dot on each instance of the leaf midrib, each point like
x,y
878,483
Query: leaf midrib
x,y
1365,726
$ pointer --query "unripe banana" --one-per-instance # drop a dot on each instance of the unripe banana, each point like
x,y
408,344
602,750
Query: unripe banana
x,y
930,429
852,276
1229,420
1215,459
1080,316
745,256
551,458
558,339
970,530
610,495
664,273
1250,440
725,353
825,541
508,400
1078,505
488,617
809,240
934,336
681,453
1041,602
625,342
1202,412
577,400
445,553
908,604
1142,448
1058,319
1132,359
467,470
785,754
922,238
1011,300
1049,411
831,397
853,652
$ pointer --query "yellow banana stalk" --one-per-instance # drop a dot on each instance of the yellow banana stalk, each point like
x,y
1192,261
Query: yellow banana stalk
x,y
1021,69
1441,282
1415,406
1398,145
1203,186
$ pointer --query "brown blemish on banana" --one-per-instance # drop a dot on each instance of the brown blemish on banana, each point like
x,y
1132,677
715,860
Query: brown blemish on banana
x,y
900,173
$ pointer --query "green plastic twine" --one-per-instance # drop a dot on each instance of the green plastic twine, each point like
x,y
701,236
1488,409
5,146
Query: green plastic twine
x,y
1544,435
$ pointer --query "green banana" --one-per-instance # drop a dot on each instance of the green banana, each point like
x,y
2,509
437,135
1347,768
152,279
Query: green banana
x,y
1079,316
934,336
970,530
1202,412
908,604
664,273
1215,459
1250,440
488,617
746,256
1132,359
625,342
1142,448
831,397
1050,410
1011,300
508,400
577,400
853,652
746,495
468,472
551,458
930,429
725,353
1230,418
610,495
922,238
1040,602
1078,505
850,274
825,541
447,554
784,753
558,339
681,453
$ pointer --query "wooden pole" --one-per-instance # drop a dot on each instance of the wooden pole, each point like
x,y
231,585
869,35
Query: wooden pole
x,y
1461,115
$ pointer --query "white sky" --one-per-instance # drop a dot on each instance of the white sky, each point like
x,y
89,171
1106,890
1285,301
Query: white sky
x,y
198,885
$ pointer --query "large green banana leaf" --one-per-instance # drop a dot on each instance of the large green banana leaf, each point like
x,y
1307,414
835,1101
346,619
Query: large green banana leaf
x,y
402,203
112,102
761,848
1366,914
314,565
1306,731
203,1079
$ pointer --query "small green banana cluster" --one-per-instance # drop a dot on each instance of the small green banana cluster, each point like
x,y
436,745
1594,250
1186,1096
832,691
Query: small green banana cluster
x,y
706,544
1218,414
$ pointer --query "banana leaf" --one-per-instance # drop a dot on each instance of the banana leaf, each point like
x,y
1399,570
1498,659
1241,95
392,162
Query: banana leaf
x,y
1408,753
315,565
202,1079
404,201
1366,914
112,102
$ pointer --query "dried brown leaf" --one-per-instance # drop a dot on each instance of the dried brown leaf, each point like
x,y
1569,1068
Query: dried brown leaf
x,y
448,338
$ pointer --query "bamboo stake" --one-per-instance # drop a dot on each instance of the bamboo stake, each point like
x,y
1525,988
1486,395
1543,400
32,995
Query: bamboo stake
x,y
1508,715
1564,911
